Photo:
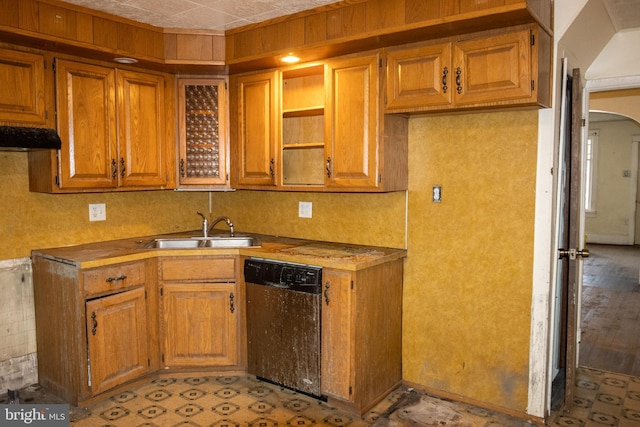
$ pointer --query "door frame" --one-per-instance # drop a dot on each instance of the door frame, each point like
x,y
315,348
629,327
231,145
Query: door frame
x,y
541,373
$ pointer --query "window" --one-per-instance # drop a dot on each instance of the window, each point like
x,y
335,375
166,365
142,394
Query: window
x,y
590,171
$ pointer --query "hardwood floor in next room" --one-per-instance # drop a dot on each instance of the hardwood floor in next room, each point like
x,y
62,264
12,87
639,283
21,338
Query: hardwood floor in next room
x,y
610,317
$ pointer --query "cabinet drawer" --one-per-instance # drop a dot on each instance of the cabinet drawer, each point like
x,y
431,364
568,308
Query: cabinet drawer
x,y
114,277
198,269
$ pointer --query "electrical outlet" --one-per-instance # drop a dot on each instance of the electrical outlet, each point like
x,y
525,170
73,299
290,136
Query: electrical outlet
x,y
97,212
304,209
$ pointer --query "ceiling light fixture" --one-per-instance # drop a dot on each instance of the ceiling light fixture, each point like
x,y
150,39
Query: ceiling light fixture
x,y
290,59
125,60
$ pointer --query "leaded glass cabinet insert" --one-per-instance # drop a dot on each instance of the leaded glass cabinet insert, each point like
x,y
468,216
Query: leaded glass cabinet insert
x,y
203,137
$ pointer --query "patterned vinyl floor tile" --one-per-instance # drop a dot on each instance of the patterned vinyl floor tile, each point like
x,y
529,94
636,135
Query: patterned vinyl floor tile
x,y
601,399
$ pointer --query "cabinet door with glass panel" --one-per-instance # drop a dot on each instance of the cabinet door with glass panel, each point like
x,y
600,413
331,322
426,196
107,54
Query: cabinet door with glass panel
x,y
202,106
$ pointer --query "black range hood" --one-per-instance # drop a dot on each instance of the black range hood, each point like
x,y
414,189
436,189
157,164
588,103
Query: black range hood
x,y
17,138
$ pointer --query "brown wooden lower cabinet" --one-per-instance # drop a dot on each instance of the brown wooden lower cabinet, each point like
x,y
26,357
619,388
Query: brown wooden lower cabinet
x,y
200,324
98,329
117,339
95,328
362,334
201,310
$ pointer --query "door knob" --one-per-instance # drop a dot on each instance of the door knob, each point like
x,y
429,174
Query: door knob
x,y
573,253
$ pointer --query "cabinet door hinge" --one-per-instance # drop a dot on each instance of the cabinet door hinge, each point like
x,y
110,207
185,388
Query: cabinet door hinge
x,y
533,39
162,357
352,284
379,178
145,294
53,64
148,362
161,292
46,114
226,86
350,390
533,85
380,63
584,122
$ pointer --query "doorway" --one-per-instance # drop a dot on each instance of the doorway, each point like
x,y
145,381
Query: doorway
x,y
610,303
610,315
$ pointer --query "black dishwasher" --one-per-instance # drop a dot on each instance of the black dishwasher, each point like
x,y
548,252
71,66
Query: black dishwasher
x,y
283,323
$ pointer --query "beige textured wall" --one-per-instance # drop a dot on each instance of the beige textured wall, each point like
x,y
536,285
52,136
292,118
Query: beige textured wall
x,y
367,219
624,101
468,277
609,223
34,220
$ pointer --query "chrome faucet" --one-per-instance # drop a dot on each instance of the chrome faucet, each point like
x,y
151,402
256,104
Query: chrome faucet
x,y
217,220
205,225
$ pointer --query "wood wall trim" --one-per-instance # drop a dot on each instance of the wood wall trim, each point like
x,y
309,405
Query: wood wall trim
x,y
349,27
327,31
75,30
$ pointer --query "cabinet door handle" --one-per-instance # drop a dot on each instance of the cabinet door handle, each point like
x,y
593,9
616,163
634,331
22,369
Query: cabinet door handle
x,y
272,165
114,168
115,279
123,168
326,293
328,167
232,307
444,80
182,168
95,323
458,84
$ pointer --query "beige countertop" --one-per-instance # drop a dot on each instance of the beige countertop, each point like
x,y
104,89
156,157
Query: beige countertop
x,y
324,254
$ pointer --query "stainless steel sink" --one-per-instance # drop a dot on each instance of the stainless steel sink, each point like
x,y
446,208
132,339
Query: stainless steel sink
x,y
178,243
199,242
229,242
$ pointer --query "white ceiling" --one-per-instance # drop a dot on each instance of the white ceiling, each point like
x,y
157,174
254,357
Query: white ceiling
x,y
625,14
200,14
226,14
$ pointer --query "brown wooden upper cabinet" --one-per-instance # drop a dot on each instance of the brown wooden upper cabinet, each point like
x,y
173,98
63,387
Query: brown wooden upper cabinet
x,y
483,70
364,149
317,127
255,123
115,131
202,133
22,92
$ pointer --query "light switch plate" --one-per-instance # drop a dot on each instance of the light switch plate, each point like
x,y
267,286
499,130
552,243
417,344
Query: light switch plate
x,y
436,195
304,209
97,212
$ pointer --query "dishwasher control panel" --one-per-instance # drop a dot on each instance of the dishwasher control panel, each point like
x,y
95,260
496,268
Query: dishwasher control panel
x,y
299,277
